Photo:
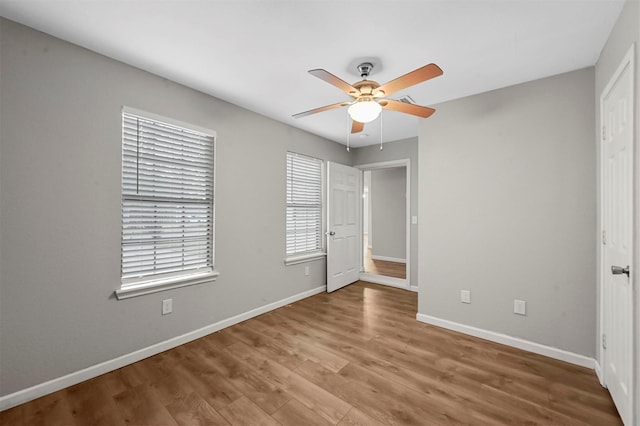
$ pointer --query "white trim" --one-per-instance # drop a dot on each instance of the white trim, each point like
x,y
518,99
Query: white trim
x,y
598,371
71,379
384,280
414,288
154,286
388,259
294,260
515,342
384,164
405,162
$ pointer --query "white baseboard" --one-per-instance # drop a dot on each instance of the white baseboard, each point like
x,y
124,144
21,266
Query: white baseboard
x,y
384,280
388,259
76,377
515,342
599,372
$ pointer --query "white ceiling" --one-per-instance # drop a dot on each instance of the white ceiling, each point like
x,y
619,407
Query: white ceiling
x,y
256,53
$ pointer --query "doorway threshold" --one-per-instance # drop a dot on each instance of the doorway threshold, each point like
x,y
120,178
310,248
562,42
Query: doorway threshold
x,y
384,280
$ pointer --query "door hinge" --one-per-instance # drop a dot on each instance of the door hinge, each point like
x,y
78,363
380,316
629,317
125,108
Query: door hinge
x,y
604,341
604,237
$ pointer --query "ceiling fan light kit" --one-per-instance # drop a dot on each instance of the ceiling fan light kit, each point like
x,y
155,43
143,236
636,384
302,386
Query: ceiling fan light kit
x,y
368,96
364,110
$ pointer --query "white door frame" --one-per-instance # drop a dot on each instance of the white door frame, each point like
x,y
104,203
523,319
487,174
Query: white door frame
x,y
628,61
380,279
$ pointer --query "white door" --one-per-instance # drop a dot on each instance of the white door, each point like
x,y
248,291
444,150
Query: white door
x,y
617,199
343,225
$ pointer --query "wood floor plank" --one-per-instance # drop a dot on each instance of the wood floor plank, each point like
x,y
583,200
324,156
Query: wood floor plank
x,y
12,416
432,410
124,378
243,376
169,384
313,397
91,403
294,413
247,334
356,417
220,338
140,406
441,391
50,410
314,319
243,412
375,402
285,338
193,410
192,373
356,356
461,376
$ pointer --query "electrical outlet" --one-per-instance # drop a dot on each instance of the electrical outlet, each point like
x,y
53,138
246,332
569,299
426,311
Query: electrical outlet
x,y
520,307
306,271
465,296
167,306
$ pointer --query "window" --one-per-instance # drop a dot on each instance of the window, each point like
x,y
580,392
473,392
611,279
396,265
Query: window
x,y
304,208
167,205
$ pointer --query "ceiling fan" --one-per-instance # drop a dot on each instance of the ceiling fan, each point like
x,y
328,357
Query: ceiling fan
x,y
368,96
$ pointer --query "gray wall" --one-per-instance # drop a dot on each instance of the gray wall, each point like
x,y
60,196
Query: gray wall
x,y
389,212
399,150
624,34
508,210
60,140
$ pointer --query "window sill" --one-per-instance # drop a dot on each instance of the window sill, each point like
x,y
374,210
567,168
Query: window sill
x,y
154,286
294,260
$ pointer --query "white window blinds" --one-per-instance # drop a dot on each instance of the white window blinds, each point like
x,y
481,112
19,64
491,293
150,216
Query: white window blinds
x,y
167,200
304,204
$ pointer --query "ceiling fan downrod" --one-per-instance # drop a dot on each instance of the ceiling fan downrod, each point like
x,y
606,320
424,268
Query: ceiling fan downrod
x,y
365,69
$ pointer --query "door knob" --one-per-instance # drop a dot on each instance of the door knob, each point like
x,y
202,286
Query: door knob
x,y
619,270
330,233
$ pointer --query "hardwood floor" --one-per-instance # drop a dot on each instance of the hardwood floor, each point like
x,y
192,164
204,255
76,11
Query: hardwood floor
x,y
382,267
353,357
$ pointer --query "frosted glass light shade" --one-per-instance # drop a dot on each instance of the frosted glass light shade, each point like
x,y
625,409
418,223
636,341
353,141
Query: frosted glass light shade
x,y
364,111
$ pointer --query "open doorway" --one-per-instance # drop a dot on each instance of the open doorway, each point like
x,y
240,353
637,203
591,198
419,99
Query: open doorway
x,y
385,219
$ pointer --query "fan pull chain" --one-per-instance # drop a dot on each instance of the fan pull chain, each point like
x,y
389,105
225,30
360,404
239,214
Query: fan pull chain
x,y
348,134
380,132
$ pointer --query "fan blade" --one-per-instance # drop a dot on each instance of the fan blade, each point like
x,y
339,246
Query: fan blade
x,y
414,77
420,111
357,127
316,110
335,81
